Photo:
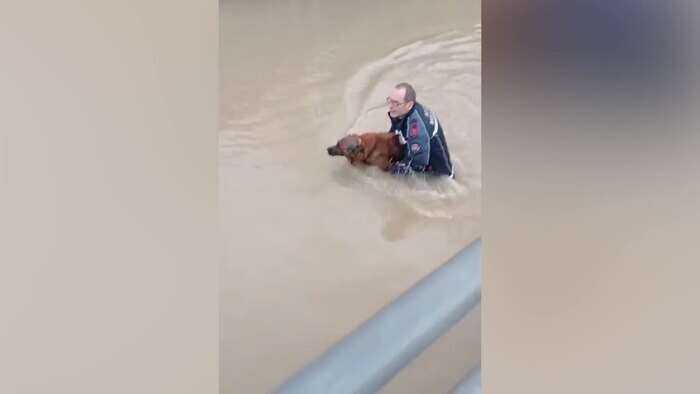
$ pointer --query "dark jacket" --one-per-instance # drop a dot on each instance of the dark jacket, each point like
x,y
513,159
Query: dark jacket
x,y
425,147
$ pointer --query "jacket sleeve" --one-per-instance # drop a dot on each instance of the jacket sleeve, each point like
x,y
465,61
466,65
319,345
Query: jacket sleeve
x,y
417,147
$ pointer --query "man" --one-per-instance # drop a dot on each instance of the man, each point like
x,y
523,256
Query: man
x,y
424,148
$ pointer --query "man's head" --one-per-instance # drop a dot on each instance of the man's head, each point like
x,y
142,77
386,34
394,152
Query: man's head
x,y
401,100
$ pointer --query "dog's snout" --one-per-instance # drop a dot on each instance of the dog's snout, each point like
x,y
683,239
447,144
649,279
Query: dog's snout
x,y
333,151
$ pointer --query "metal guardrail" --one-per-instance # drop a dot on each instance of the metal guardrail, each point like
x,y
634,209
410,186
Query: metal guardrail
x,y
376,351
470,384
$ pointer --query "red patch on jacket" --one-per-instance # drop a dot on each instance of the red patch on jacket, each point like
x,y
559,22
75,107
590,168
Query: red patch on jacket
x,y
414,129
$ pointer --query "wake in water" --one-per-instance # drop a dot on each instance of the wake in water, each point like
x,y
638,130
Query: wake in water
x,y
425,195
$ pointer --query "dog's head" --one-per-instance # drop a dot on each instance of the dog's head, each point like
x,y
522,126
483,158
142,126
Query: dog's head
x,y
349,146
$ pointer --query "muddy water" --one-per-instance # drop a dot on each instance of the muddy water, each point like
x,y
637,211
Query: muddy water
x,y
314,246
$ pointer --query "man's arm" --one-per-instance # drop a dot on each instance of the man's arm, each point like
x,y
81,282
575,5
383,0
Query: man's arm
x,y
417,147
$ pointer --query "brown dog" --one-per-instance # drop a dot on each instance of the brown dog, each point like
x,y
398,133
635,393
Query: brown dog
x,y
374,149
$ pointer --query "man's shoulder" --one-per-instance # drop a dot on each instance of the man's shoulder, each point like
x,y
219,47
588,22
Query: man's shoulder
x,y
423,115
426,112
427,116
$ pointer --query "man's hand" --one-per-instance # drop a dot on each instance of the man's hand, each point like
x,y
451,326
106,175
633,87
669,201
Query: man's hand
x,y
400,168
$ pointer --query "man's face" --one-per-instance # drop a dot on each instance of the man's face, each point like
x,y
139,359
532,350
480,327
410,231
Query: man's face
x,y
398,107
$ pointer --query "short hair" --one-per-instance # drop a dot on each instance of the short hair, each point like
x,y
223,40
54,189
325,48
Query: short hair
x,y
410,94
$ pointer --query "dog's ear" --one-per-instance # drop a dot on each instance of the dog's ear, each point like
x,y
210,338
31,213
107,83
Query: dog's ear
x,y
358,151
